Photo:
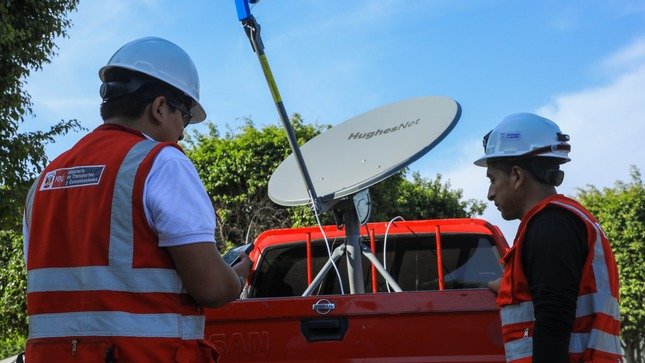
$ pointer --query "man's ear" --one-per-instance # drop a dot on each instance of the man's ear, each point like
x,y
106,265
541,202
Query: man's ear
x,y
157,109
518,176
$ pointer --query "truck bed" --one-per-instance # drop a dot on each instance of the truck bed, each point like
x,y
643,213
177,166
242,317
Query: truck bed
x,y
445,312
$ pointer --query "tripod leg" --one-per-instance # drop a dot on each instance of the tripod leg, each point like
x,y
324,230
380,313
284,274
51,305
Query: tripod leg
x,y
339,251
386,275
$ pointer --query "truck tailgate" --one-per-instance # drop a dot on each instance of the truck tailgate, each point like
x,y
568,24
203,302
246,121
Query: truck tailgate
x,y
416,326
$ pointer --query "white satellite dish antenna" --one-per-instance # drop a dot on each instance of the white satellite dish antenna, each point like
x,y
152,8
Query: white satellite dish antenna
x,y
365,149
345,160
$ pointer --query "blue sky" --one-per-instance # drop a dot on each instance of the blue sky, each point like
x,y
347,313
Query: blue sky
x,y
580,63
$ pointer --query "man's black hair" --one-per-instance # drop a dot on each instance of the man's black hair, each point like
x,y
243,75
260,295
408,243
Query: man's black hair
x,y
544,169
132,105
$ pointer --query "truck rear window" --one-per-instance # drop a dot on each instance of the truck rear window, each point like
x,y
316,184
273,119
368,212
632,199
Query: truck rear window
x,y
468,261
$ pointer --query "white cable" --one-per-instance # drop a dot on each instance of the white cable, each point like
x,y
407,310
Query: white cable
x,y
315,209
320,286
248,230
385,247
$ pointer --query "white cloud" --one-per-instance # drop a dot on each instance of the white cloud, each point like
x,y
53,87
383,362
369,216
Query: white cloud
x,y
628,57
606,125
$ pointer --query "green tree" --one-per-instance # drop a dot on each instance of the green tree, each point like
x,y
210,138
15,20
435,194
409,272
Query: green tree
x,y
421,198
621,212
236,169
28,29
14,283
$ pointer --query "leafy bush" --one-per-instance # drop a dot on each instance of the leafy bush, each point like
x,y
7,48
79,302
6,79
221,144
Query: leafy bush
x,y
621,212
13,286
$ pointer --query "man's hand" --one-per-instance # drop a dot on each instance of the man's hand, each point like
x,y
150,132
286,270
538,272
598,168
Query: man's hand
x,y
206,277
243,267
494,285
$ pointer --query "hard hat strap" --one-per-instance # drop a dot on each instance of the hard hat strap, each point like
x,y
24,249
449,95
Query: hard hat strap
x,y
485,140
113,89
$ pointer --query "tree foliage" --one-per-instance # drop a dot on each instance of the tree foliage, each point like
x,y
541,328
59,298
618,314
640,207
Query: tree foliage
x,y
421,198
14,284
28,30
22,158
621,212
236,169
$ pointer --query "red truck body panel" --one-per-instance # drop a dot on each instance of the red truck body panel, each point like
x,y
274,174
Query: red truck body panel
x,y
449,325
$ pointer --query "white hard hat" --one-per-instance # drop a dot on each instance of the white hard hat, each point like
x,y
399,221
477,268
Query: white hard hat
x,y
523,135
164,61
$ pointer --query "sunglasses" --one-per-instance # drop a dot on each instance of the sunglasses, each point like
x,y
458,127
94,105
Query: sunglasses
x,y
186,115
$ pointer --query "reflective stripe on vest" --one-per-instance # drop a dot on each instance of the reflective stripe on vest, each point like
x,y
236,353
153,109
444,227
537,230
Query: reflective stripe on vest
x,y
518,349
600,302
117,276
597,340
116,323
91,278
598,264
30,199
121,248
517,313
596,303
28,206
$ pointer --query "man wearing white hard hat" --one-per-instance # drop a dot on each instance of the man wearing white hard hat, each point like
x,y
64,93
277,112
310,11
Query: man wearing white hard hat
x,y
559,291
119,243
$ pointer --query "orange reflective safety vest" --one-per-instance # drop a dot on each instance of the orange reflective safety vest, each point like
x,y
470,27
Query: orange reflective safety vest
x,y
98,286
596,331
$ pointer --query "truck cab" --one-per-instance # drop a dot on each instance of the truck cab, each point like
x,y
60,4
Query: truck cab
x,y
432,303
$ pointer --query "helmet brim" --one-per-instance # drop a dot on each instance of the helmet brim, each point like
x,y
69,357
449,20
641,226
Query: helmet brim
x,y
198,112
483,161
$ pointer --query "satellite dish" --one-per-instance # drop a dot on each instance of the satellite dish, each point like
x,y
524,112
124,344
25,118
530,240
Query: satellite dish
x,y
365,149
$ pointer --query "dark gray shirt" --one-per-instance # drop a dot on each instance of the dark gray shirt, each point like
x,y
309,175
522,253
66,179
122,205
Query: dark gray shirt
x,y
554,251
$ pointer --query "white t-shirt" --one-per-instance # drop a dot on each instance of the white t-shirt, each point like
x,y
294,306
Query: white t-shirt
x,y
176,204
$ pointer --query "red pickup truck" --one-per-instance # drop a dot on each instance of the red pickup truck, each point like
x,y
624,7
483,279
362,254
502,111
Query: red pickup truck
x,y
433,307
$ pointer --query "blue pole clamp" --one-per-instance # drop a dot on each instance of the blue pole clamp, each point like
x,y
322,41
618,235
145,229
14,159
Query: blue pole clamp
x,y
243,12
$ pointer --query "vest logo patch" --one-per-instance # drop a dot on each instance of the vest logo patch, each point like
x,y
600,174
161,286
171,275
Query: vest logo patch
x,y
78,176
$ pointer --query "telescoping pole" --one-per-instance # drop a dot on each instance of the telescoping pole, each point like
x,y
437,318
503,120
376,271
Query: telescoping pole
x,y
252,30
